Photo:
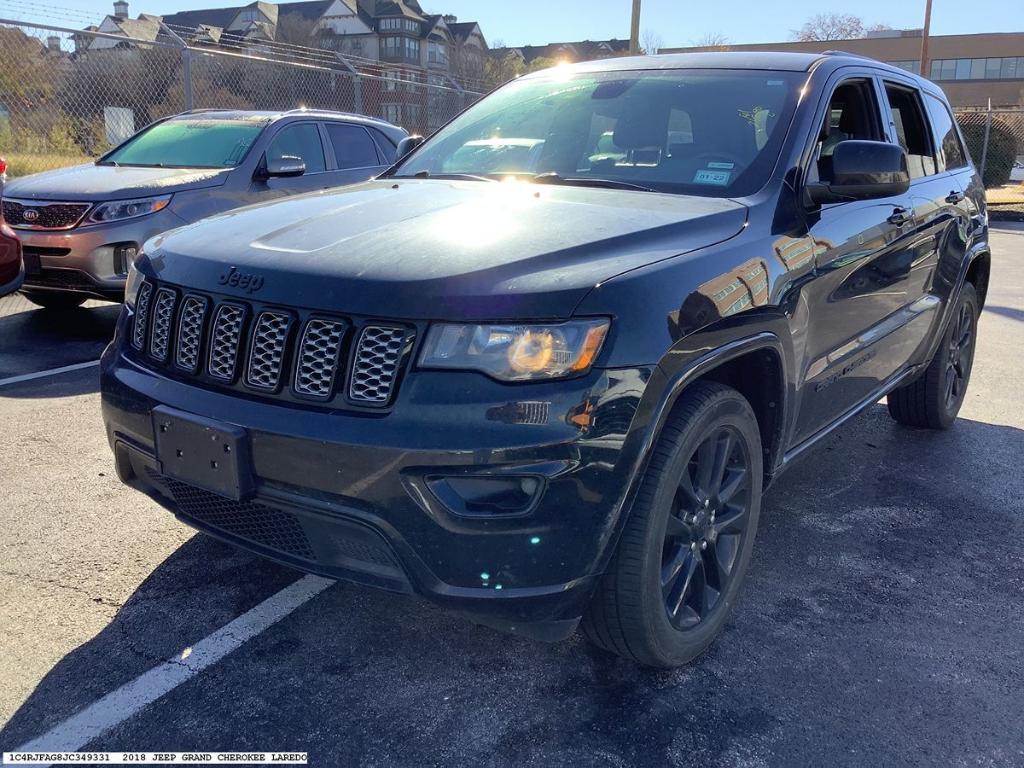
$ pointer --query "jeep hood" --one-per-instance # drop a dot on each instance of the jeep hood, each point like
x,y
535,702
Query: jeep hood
x,y
96,183
437,249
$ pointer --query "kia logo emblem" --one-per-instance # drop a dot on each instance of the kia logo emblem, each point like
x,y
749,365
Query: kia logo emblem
x,y
30,214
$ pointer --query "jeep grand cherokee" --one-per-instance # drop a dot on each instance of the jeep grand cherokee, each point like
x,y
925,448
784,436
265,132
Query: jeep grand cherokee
x,y
542,369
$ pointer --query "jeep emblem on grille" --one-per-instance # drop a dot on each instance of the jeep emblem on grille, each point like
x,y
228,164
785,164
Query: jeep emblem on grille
x,y
236,279
30,214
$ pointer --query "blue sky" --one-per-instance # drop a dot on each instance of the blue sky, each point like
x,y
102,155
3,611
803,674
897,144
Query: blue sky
x,y
677,22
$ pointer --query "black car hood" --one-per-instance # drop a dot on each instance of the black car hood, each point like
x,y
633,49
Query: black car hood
x,y
97,183
433,249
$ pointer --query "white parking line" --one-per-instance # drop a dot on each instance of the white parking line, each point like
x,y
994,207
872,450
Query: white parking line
x,y
117,706
51,372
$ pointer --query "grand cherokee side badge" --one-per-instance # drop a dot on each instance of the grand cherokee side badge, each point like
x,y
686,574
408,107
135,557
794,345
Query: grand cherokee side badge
x,y
236,279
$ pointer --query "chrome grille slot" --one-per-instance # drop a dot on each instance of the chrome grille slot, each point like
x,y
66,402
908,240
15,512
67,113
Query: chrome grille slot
x,y
375,365
141,315
225,338
317,361
190,332
163,319
266,353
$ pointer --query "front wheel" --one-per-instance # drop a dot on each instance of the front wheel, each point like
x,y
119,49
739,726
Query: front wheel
x,y
689,537
934,398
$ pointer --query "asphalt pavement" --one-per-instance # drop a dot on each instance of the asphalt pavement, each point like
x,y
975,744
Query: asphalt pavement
x,y
882,622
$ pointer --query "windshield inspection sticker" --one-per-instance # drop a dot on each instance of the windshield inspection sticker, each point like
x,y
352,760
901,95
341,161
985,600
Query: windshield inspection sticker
x,y
726,166
707,176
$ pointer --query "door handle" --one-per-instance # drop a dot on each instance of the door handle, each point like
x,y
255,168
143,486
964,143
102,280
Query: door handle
x,y
900,216
955,197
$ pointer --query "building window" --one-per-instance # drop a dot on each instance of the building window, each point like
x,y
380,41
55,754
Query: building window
x,y
401,47
393,113
991,68
437,53
390,24
910,65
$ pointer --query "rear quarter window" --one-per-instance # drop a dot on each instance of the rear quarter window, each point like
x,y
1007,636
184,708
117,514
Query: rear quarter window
x,y
947,137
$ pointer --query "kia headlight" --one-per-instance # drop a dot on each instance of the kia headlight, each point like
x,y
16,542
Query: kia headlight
x,y
118,210
514,352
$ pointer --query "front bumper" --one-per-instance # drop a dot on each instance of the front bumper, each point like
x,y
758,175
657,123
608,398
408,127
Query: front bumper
x,y
85,259
349,495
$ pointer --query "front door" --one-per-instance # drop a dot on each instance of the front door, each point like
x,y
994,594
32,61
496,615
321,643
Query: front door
x,y
301,140
862,290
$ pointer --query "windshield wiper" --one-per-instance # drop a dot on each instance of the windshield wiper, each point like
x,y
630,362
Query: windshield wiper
x,y
107,162
553,178
455,176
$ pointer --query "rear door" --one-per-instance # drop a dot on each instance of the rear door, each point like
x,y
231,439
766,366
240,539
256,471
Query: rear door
x,y
355,155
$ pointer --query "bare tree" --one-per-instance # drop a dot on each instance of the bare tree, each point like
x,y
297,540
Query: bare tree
x,y
830,26
651,42
714,41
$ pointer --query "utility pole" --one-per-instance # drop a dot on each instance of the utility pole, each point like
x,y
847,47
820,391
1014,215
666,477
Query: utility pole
x,y
924,37
634,30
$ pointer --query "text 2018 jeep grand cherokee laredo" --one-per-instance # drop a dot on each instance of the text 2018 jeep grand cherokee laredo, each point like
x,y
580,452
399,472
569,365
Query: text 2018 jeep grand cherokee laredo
x,y
542,369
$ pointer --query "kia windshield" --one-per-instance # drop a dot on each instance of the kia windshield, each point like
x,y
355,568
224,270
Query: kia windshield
x,y
703,132
190,142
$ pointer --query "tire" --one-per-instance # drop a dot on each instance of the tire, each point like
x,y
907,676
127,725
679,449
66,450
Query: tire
x,y
631,613
933,399
56,302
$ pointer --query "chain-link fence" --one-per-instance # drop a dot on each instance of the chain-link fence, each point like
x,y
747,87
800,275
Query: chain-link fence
x,y
67,95
995,138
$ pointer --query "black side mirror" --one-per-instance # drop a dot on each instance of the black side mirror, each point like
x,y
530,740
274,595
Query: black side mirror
x,y
285,166
407,145
863,170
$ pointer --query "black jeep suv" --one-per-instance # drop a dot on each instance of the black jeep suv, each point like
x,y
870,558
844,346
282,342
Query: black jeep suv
x,y
542,369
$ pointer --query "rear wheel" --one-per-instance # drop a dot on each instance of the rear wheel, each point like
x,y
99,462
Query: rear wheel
x,y
686,546
56,301
934,398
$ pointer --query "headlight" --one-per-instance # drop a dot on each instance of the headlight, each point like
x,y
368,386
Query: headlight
x,y
516,352
132,285
117,210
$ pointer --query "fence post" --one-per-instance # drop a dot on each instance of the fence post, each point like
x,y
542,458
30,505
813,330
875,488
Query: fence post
x,y
984,145
186,75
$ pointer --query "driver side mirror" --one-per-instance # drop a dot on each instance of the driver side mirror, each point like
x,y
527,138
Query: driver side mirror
x,y
863,170
407,145
284,167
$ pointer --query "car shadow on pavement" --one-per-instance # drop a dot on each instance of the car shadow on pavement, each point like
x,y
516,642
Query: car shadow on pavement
x,y
876,626
40,340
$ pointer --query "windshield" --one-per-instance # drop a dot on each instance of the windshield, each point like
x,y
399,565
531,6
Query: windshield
x,y
704,132
190,142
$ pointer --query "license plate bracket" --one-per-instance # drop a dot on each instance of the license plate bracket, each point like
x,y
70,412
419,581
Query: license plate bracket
x,y
205,453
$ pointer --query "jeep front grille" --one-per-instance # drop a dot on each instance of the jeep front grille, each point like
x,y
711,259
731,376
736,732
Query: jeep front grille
x,y
376,363
141,316
163,316
225,338
274,351
266,354
318,357
190,332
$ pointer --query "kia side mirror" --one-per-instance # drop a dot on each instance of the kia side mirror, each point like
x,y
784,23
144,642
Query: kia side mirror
x,y
407,145
283,167
863,170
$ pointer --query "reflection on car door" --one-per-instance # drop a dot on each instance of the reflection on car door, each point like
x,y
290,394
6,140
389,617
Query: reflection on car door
x,y
861,293
355,154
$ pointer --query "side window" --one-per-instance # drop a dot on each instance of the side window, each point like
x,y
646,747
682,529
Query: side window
x,y
852,114
911,130
301,140
353,147
946,135
385,145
